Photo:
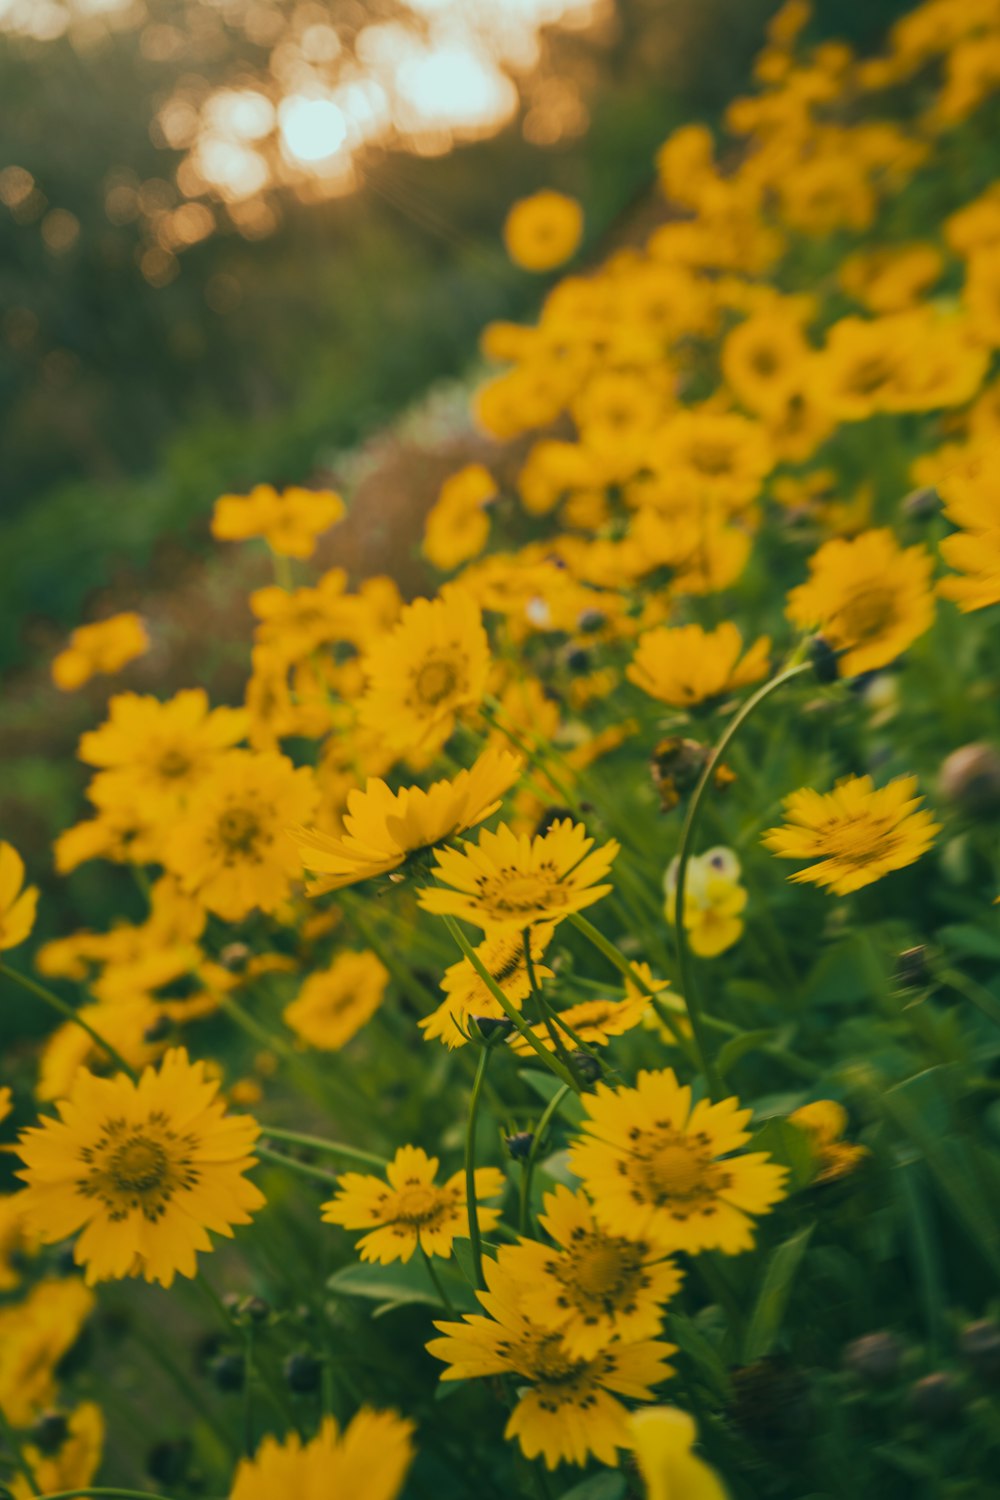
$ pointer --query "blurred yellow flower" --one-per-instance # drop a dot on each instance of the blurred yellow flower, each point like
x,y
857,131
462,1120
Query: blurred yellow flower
x,y
458,524
685,665
18,902
542,231
663,1439
102,648
367,1461
334,1003
289,522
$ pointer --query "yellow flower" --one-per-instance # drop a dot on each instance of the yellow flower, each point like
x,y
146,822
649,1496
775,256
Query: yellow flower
x,y
856,833
74,1463
367,1461
569,1409
104,647
334,1004
685,665
429,668
594,1286
410,1210
972,503
663,1438
508,881
712,456
869,598
18,902
714,901
889,278
458,526
593,1021
152,755
764,360
542,231
35,1334
824,1122
143,1169
466,994
663,1171
289,522
126,1024
383,828
232,848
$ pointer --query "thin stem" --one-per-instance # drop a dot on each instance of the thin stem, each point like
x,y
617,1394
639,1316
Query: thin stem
x,y
532,1157
974,992
475,1238
689,987
438,1283
278,1159
69,1014
319,1143
512,1014
248,1444
545,1008
13,1442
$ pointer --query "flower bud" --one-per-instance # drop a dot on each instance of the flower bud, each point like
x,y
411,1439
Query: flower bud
x,y
167,1461
228,1372
587,1068
255,1309
937,1399
590,621
520,1144
913,971
920,504
874,1358
824,659
970,779
49,1431
489,1027
576,659
979,1343
303,1372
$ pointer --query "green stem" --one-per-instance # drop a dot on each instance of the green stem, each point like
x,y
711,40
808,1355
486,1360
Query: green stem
x,y
552,1063
319,1143
533,1150
13,1442
689,987
475,1238
982,998
548,1016
69,1014
615,956
248,1444
278,1159
435,1278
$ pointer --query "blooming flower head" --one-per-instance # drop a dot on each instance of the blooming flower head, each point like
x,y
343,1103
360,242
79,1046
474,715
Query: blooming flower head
x,y
870,598
102,648
335,1003
569,1409
36,1332
383,828
426,670
409,1209
508,881
74,1462
824,1121
151,755
714,901
289,522
592,1021
663,1171
856,833
542,231
143,1169
591,1286
685,665
712,456
466,993
18,902
367,1461
232,848
458,525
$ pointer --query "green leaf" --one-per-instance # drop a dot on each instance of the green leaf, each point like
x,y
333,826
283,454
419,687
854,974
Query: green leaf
x,y
606,1486
978,942
790,1147
398,1285
765,1320
702,1353
546,1085
739,1046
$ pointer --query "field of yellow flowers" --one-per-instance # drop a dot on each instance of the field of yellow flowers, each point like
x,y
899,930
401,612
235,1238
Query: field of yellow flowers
x,y
575,995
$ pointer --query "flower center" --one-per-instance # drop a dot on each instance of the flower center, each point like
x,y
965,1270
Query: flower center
x,y
138,1166
436,681
239,829
515,892
712,458
417,1205
869,614
173,764
600,1268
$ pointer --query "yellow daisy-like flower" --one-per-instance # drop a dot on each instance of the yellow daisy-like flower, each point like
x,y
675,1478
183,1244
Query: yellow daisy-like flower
x,y
18,902
430,667
508,880
857,833
152,755
824,1122
685,665
594,1286
289,522
458,526
75,1461
369,1460
870,598
143,1169
410,1209
593,1021
35,1334
467,995
570,1408
333,1005
663,1171
541,232
383,828
663,1438
232,848
99,649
